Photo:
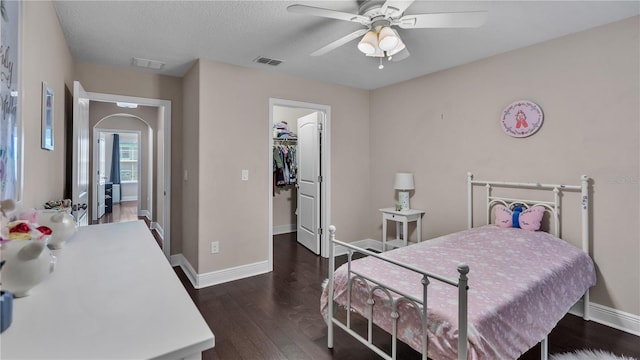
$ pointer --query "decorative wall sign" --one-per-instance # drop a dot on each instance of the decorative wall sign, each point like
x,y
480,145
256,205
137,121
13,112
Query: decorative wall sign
x,y
522,118
10,123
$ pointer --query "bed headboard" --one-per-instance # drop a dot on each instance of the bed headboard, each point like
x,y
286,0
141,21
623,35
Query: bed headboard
x,y
551,207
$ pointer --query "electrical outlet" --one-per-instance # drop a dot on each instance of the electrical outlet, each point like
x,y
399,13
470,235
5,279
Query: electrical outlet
x,y
215,247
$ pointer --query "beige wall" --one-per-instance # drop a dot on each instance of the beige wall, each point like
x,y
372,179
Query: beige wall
x,y
235,100
121,81
45,57
447,123
189,177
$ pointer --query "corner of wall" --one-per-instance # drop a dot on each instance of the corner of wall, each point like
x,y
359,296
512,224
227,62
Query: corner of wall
x,y
190,167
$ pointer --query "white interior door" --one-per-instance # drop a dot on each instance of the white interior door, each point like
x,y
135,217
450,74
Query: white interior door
x,y
308,181
80,172
102,173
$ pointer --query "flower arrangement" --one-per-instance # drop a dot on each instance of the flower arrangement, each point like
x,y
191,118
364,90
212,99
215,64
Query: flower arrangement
x,y
23,228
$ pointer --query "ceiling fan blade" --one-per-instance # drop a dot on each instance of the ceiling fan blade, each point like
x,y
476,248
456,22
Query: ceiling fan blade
x,y
471,19
328,13
336,44
398,5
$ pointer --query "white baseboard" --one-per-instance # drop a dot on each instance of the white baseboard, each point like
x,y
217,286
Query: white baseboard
x,y
145,213
155,226
176,260
285,229
610,317
128,198
189,271
200,281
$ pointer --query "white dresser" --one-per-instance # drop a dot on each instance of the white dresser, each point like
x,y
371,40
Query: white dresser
x,y
113,295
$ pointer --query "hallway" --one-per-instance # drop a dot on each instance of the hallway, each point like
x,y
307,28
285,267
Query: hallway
x,y
127,211
124,211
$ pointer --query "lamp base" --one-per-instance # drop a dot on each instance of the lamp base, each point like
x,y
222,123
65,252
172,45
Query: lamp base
x,y
403,198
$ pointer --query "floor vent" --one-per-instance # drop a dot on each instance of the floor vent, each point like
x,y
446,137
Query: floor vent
x,y
267,61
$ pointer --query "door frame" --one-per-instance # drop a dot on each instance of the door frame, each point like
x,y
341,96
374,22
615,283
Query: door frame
x,y
165,105
95,160
96,181
325,158
80,186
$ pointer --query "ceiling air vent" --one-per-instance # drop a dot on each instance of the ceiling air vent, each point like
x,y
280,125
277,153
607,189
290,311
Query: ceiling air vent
x,y
267,61
147,63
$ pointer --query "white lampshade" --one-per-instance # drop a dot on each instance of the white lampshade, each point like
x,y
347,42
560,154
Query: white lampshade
x,y
387,39
368,44
399,47
377,54
404,181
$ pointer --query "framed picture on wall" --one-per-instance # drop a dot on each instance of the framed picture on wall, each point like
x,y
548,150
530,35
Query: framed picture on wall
x,y
521,118
47,117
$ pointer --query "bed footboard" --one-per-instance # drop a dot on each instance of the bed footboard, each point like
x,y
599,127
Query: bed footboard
x,y
392,302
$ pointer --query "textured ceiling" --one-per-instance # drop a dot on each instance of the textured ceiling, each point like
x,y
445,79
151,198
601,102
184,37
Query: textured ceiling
x,y
237,32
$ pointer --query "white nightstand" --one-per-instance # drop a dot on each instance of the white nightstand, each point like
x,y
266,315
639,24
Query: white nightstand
x,y
403,217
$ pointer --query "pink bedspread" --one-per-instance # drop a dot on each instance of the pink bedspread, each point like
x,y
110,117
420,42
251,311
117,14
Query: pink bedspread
x,y
521,283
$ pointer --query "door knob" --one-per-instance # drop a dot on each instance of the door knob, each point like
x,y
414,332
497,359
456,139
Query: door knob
x,y
76,207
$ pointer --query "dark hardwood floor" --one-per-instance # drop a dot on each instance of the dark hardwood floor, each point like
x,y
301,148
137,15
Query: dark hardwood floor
x,y
277,316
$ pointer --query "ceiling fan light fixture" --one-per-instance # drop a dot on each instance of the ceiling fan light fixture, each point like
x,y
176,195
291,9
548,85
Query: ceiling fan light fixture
x,y
399,47
387,39
379,38
377,54
368,44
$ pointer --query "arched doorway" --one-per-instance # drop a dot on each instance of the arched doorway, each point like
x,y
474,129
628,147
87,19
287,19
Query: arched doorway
x,y
124,168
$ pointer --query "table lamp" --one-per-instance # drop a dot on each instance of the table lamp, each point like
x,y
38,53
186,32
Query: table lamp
x,y
404,183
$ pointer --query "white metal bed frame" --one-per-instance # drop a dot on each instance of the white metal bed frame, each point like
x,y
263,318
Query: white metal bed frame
x,y
552,207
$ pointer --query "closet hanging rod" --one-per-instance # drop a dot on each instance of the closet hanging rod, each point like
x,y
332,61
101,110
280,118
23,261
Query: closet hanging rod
x,y
285,139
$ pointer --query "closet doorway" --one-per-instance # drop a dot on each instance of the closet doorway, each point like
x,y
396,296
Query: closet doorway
x,y
299,161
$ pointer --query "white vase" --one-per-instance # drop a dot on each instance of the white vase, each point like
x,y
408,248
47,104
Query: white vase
x,y
62,225
28,263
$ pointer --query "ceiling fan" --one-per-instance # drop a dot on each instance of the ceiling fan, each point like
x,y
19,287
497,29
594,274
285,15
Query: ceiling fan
x,y
379,17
